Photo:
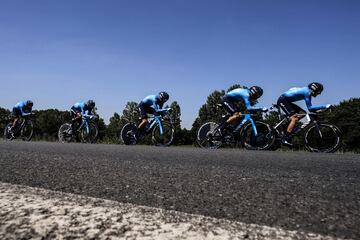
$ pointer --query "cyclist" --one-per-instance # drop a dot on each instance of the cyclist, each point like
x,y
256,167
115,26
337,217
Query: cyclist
x,y
79,109
150,105
247,96
21,109
295,112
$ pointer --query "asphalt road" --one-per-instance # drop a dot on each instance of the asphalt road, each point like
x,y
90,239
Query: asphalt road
x,y
293,190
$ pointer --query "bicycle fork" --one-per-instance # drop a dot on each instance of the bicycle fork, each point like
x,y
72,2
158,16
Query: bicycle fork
x,y
86,126
319,130
246,119
157,121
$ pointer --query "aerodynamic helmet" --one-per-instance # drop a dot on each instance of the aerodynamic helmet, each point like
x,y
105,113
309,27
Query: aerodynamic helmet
x,y
163,96
29,103
256,92
316,87
90,103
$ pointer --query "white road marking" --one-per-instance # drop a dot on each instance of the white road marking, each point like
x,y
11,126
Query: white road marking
x,y
35,213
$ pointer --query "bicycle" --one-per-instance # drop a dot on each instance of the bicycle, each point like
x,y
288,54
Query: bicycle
x,y
318,136
249,132
159,125
87,132
24,128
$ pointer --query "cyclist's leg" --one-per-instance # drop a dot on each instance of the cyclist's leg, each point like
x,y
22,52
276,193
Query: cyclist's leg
x,y
16,114
76,117
232,109
143,115
144,111
295,118
291,110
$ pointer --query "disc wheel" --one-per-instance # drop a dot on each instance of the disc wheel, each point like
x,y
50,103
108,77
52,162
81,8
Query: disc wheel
x,y
65,133
7,134
128,134
166,138
322,138
208,136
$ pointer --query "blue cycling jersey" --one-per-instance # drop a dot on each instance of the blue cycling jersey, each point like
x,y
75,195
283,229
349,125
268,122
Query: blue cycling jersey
x,y
23,109
297,94
239,94
152,101
82,107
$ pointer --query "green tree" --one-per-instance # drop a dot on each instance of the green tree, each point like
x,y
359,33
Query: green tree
x,y
346,116
113,129
235,86
102,129
175,118
130,113
4,118
47,123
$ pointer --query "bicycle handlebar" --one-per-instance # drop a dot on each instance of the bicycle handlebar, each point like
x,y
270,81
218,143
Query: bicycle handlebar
x,y
164,111
90,117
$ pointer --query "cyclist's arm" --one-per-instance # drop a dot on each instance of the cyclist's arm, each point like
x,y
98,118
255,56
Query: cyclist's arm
x,y
83,111
156,106
23,114
160,106
249,107
311,107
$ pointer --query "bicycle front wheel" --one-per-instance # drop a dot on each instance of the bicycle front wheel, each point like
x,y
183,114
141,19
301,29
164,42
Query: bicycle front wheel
x,y
167,136
89,135
208,136
263,140
322,137
27,131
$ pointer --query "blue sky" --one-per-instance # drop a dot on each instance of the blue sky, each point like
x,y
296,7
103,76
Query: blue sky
x,y
60,52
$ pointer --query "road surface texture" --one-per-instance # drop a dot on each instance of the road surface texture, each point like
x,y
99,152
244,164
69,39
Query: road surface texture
x,y
292,191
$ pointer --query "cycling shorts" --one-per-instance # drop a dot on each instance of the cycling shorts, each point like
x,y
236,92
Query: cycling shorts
x,y
288,107
145,109
229,105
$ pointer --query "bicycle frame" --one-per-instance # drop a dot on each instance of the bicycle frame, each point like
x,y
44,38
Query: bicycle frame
x,y
310,118
157,121
22,124
247,118
85,122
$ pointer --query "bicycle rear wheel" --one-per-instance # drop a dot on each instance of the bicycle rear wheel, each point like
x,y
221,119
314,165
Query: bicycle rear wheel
x,y
322,138
27,131
65,133
262,141
7,134
164,139
128,134
208,136
89,135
